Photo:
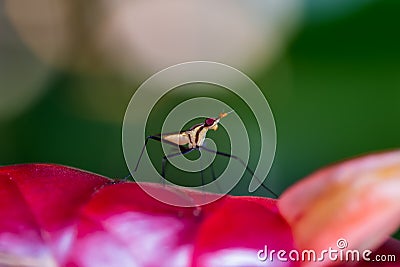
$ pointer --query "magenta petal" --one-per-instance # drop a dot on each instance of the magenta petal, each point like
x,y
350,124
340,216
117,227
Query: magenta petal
x,y
59,216
54,192
241,226
20,235
123,226
40,202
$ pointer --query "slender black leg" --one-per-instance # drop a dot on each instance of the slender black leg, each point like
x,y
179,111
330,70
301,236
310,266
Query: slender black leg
x,y
242,162
202,177
214,178
212,172
164,160
202,173
154,137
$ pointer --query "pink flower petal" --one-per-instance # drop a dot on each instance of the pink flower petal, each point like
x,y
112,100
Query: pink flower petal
x,y
241,227
123,226
358,200
20,237
39,205
59,216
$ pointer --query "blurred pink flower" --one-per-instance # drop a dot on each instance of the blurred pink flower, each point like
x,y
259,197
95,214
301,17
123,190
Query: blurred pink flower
x,y
358,200
59,216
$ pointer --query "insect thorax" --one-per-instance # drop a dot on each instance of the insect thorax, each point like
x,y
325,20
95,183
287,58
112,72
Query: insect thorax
x,y
197,135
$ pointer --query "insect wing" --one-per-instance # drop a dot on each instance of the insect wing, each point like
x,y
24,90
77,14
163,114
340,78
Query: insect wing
x,y
176,138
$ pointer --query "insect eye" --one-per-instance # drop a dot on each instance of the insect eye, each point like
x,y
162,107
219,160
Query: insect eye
x,y
209,122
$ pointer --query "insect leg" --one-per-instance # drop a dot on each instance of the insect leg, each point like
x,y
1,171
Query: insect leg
x,y
154,137
202,173
214,178
164,160
212,174
242,162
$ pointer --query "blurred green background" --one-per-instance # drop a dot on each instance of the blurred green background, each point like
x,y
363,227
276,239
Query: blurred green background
x,y
329,69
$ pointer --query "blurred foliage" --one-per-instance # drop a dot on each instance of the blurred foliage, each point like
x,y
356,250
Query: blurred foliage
x,y
334,91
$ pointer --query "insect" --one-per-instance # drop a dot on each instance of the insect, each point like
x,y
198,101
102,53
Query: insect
x,y
193,139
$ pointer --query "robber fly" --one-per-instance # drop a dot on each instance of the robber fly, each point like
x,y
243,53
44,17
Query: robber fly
x,y
193,139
